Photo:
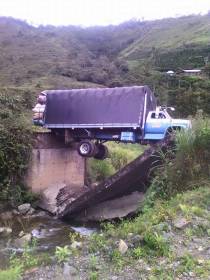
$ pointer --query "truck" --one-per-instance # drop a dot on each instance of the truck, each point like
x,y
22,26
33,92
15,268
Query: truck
x,y
94,116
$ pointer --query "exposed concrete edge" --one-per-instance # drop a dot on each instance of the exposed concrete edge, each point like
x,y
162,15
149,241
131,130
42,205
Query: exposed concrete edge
x,y
112,209
49,140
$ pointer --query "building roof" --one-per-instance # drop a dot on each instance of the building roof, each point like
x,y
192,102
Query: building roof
x,y
192,71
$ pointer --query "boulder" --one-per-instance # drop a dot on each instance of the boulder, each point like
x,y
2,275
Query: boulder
x,y
181,223
5,231
24,208
31,211
122,247
21,242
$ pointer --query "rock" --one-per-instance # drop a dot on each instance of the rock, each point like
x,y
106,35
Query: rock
x,y
181,223
76,245
8,215
201,261
69,271
136,239
21,233
114,278
162,227
123,247
15,212
5,230
20,242
31,211
24,208
167,235
148,268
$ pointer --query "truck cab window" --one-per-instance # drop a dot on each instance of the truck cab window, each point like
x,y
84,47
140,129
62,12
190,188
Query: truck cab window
x,y
160,116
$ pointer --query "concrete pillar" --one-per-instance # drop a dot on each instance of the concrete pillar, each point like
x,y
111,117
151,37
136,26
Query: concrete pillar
x,y
54,166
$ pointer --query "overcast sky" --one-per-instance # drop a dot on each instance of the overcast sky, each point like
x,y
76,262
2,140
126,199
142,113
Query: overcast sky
x,y
98,12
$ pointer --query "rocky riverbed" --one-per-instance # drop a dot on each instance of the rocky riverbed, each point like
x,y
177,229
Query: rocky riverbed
x,y
24,224
170,242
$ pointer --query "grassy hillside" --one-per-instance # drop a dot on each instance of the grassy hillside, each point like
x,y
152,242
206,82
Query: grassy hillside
x,y
62,57
169,35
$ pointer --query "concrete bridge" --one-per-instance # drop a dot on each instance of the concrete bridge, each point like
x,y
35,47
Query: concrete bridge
x,y
58,173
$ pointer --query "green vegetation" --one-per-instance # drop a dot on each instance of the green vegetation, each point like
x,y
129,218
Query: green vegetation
x,y
62,253
13,273
186,166
153,235
15,139
19,264
119,156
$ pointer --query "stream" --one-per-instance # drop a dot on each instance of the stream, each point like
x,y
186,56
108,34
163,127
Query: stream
x,y
48,231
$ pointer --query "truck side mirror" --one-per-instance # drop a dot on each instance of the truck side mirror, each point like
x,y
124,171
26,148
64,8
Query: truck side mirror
x,y
172,108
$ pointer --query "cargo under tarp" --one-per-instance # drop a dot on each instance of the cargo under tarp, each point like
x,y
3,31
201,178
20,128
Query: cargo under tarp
x,y
98,107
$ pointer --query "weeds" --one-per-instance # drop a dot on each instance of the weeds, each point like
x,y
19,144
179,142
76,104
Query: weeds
x,y
13,273
62,253
18,264
138,253
93,275
185,167
97,242
117,259
156,243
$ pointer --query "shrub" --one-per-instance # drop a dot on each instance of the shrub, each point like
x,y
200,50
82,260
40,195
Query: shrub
x,y
183,167
15,138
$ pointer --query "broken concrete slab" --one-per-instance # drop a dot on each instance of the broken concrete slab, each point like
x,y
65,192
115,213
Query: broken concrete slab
x,y
50,195
111,209
135,176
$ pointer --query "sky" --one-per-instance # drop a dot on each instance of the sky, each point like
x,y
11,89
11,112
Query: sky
x,y
98,12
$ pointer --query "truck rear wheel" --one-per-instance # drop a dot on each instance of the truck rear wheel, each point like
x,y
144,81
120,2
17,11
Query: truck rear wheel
x,y
86,148
102,152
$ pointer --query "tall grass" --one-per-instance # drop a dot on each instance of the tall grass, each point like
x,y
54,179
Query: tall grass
x,y
187,165
119,156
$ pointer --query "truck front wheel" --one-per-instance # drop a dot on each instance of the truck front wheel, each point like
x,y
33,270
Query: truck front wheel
x,y
86,148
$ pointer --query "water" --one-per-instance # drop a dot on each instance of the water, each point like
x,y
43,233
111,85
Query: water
x,y
48,231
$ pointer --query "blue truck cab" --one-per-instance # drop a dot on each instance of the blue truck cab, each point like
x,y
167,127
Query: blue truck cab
x,y
159,123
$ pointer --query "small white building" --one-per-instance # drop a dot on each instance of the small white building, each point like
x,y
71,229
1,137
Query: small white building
x,y
170,73
192,72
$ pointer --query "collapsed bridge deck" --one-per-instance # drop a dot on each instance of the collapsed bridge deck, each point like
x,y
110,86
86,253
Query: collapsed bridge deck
x,y
135,176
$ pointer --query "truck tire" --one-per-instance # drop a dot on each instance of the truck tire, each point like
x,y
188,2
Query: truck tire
x,y
102,152
86,148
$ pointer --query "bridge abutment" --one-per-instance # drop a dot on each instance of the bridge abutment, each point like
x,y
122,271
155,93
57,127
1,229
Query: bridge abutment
x,y
54,166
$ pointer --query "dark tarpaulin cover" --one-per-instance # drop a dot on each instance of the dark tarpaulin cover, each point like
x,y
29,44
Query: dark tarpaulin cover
x,y
98,107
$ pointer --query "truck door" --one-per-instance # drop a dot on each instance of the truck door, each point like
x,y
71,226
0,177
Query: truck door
x,y
156,125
